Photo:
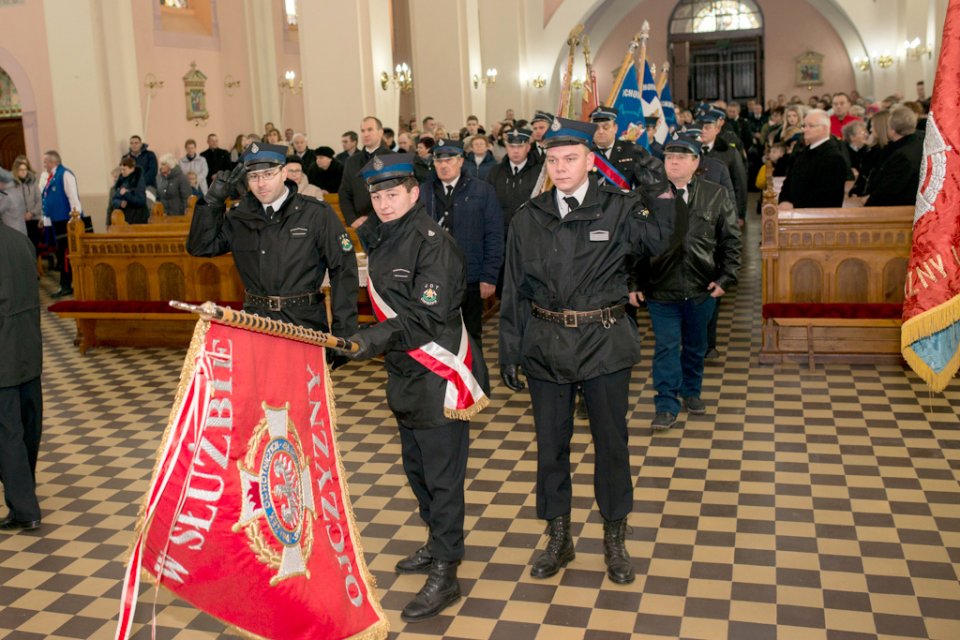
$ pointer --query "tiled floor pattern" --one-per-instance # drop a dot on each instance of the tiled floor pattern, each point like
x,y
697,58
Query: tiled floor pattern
x,y
805,505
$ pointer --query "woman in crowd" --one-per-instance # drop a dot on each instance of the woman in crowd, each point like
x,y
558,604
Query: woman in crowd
x,y
237,149
25,195
878,141
173,188
130,193
792,123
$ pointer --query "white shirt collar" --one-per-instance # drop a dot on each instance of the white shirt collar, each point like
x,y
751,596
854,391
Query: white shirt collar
x,y
518,167
276,204
818,143
453,183
579,194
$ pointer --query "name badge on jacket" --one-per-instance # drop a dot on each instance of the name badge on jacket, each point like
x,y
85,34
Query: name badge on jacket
x,y
600,235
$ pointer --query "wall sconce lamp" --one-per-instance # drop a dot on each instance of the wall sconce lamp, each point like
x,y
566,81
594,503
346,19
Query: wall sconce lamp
x,y
862,63
539,81
402,78
289,83
914,50
490,78
884,61
230,84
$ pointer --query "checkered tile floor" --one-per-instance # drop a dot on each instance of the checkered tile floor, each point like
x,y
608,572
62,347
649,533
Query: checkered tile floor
x,y
804,505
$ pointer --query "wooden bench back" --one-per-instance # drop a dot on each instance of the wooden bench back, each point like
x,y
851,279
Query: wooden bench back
x,y
146,262
849,255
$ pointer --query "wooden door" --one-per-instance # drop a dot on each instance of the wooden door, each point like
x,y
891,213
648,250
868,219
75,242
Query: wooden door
x,y
12,143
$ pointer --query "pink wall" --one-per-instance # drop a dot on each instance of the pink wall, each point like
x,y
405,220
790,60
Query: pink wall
x,y
229,115
787,34
23,55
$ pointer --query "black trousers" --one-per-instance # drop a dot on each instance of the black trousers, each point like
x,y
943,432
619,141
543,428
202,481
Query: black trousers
x,y
435,461
472,309
606,398
66,272
21,411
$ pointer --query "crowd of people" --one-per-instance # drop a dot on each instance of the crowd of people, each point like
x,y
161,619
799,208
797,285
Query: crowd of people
x,y
450,218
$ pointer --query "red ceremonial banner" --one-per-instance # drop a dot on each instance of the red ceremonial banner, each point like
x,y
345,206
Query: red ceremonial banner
x,y
248,515
930,335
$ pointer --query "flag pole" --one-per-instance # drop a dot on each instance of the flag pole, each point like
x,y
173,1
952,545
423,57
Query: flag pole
x,y
623,70
662,81
225,315
644,36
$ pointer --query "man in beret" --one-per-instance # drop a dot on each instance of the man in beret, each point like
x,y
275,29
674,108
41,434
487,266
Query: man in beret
x,y
682,285
562,321
417,282
282,243
468,209
326,172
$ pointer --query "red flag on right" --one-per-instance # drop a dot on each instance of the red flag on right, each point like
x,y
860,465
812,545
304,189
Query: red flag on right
x,y
930,336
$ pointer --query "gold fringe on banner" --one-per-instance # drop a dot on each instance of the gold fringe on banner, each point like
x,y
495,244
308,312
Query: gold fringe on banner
x,y
923,326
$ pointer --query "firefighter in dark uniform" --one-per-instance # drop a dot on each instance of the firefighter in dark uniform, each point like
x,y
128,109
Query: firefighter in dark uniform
x,y
633,164
418,279
282,243
717,146
562,321
539,124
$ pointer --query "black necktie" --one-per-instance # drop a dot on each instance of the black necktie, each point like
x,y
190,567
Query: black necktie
x,y
449,190
680,194
269,213
572,202
445,218
516,170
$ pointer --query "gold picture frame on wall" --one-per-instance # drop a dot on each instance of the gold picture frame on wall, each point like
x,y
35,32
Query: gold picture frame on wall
x,y
809,69
194,84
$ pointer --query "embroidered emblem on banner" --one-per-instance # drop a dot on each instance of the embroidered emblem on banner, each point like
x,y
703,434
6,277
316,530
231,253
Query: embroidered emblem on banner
x,y
377,163
277,509
933,168
345,243
429,296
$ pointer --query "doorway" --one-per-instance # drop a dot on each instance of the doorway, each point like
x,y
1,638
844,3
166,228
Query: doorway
x,y
12,141
716,50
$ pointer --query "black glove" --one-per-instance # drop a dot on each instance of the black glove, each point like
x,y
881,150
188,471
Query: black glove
x,y
365,351
651,175
225,186
510,374
335,360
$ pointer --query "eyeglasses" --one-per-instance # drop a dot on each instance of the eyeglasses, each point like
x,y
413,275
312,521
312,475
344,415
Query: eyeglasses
x,y
263,176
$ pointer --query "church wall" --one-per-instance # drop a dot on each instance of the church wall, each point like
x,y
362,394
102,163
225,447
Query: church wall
x,y
23,55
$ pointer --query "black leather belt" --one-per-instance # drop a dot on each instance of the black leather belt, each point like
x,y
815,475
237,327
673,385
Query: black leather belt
x,y
277,303
573,319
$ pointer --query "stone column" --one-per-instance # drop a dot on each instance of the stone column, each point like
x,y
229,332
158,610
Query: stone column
x,y
259,18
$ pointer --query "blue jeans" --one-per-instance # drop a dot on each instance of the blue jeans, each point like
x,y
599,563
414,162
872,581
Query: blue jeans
x,y
680,329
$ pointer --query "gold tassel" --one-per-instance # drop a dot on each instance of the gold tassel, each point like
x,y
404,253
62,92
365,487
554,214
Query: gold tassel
x,y
469,412
922,326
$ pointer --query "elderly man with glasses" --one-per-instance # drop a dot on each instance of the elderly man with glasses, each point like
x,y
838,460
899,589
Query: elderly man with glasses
x,y
816,177
282,243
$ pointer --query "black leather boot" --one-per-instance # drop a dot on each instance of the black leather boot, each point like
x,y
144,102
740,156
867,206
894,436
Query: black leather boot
x,y
417,562
619,567
559,551
440,591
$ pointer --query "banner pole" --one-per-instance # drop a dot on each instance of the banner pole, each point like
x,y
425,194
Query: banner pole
x,y
231,317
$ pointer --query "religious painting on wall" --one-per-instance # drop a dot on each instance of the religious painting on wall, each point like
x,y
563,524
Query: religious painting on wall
x,y
809,69
194,84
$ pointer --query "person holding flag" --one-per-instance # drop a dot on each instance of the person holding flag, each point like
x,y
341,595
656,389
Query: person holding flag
x,y
620,162
436,378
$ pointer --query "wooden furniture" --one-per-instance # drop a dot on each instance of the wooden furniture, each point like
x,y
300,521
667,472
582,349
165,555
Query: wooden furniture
x,y
833,283
122,281
118,222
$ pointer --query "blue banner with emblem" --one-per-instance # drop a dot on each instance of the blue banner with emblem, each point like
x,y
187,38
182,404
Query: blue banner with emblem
x,y
629,105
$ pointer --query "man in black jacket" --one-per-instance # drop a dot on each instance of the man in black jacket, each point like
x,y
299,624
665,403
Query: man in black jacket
x,y
620,162
710,121
417,281
562,320
514,177
282,244
681,285
217,159
21,397
817,175
354,197
897,180
326,172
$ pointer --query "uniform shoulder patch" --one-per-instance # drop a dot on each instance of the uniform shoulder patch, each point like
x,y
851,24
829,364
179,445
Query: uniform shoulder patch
x,y
346,245
430,295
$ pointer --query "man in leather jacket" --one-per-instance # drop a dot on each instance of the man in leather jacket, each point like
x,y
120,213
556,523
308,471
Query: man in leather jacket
x,y
682,285
417,281
282,243
562,320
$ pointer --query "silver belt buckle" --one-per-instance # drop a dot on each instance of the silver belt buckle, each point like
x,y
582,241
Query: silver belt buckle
x,y
570,319
273,303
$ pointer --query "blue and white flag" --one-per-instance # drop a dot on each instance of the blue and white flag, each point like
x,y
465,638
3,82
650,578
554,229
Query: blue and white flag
x,y
650,99
629,106
669,111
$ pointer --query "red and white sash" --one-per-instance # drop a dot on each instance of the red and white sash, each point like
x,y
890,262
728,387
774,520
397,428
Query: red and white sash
x,y
463,398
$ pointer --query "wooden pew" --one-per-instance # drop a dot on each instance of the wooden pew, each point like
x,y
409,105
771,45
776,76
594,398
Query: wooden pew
x,y
123,280
833,283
